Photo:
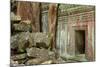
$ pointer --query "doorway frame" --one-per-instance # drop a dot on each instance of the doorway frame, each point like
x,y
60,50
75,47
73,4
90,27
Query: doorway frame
x,y
83,32
77,27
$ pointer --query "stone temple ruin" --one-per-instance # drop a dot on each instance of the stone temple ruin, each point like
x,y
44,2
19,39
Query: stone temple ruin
x,y
50,33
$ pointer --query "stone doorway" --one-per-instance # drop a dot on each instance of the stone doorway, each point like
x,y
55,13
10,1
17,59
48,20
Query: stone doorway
x,y
79,42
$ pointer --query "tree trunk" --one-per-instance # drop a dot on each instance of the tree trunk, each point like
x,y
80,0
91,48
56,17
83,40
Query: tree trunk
x,y
30,11
52,21
36,17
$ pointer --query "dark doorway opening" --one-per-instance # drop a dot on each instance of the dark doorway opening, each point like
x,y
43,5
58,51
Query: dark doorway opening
x,y
80,41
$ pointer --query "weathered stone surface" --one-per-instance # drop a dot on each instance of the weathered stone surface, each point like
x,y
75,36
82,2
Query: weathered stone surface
x,y
24,40
40,56
15,18
22,27
36,52
78,58
52,55
47,62
21,41
19,56
41,39
14,41
13,63
35,61
59,61
40,53
26,21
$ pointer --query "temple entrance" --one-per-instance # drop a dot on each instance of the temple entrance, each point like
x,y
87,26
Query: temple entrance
x,y
79,41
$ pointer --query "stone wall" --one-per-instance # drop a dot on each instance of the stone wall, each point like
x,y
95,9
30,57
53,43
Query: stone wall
x,y
81,21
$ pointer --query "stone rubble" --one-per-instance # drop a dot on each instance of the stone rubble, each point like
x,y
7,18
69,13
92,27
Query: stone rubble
x,y
29,48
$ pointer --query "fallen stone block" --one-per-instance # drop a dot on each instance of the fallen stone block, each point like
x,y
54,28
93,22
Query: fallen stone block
x,y
13,63
47,62
15,18
21,41
41,39
24,40
14,41
26,22
37,52
59,61
40,53
78,58
52,55
19,56
35,61
22,27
